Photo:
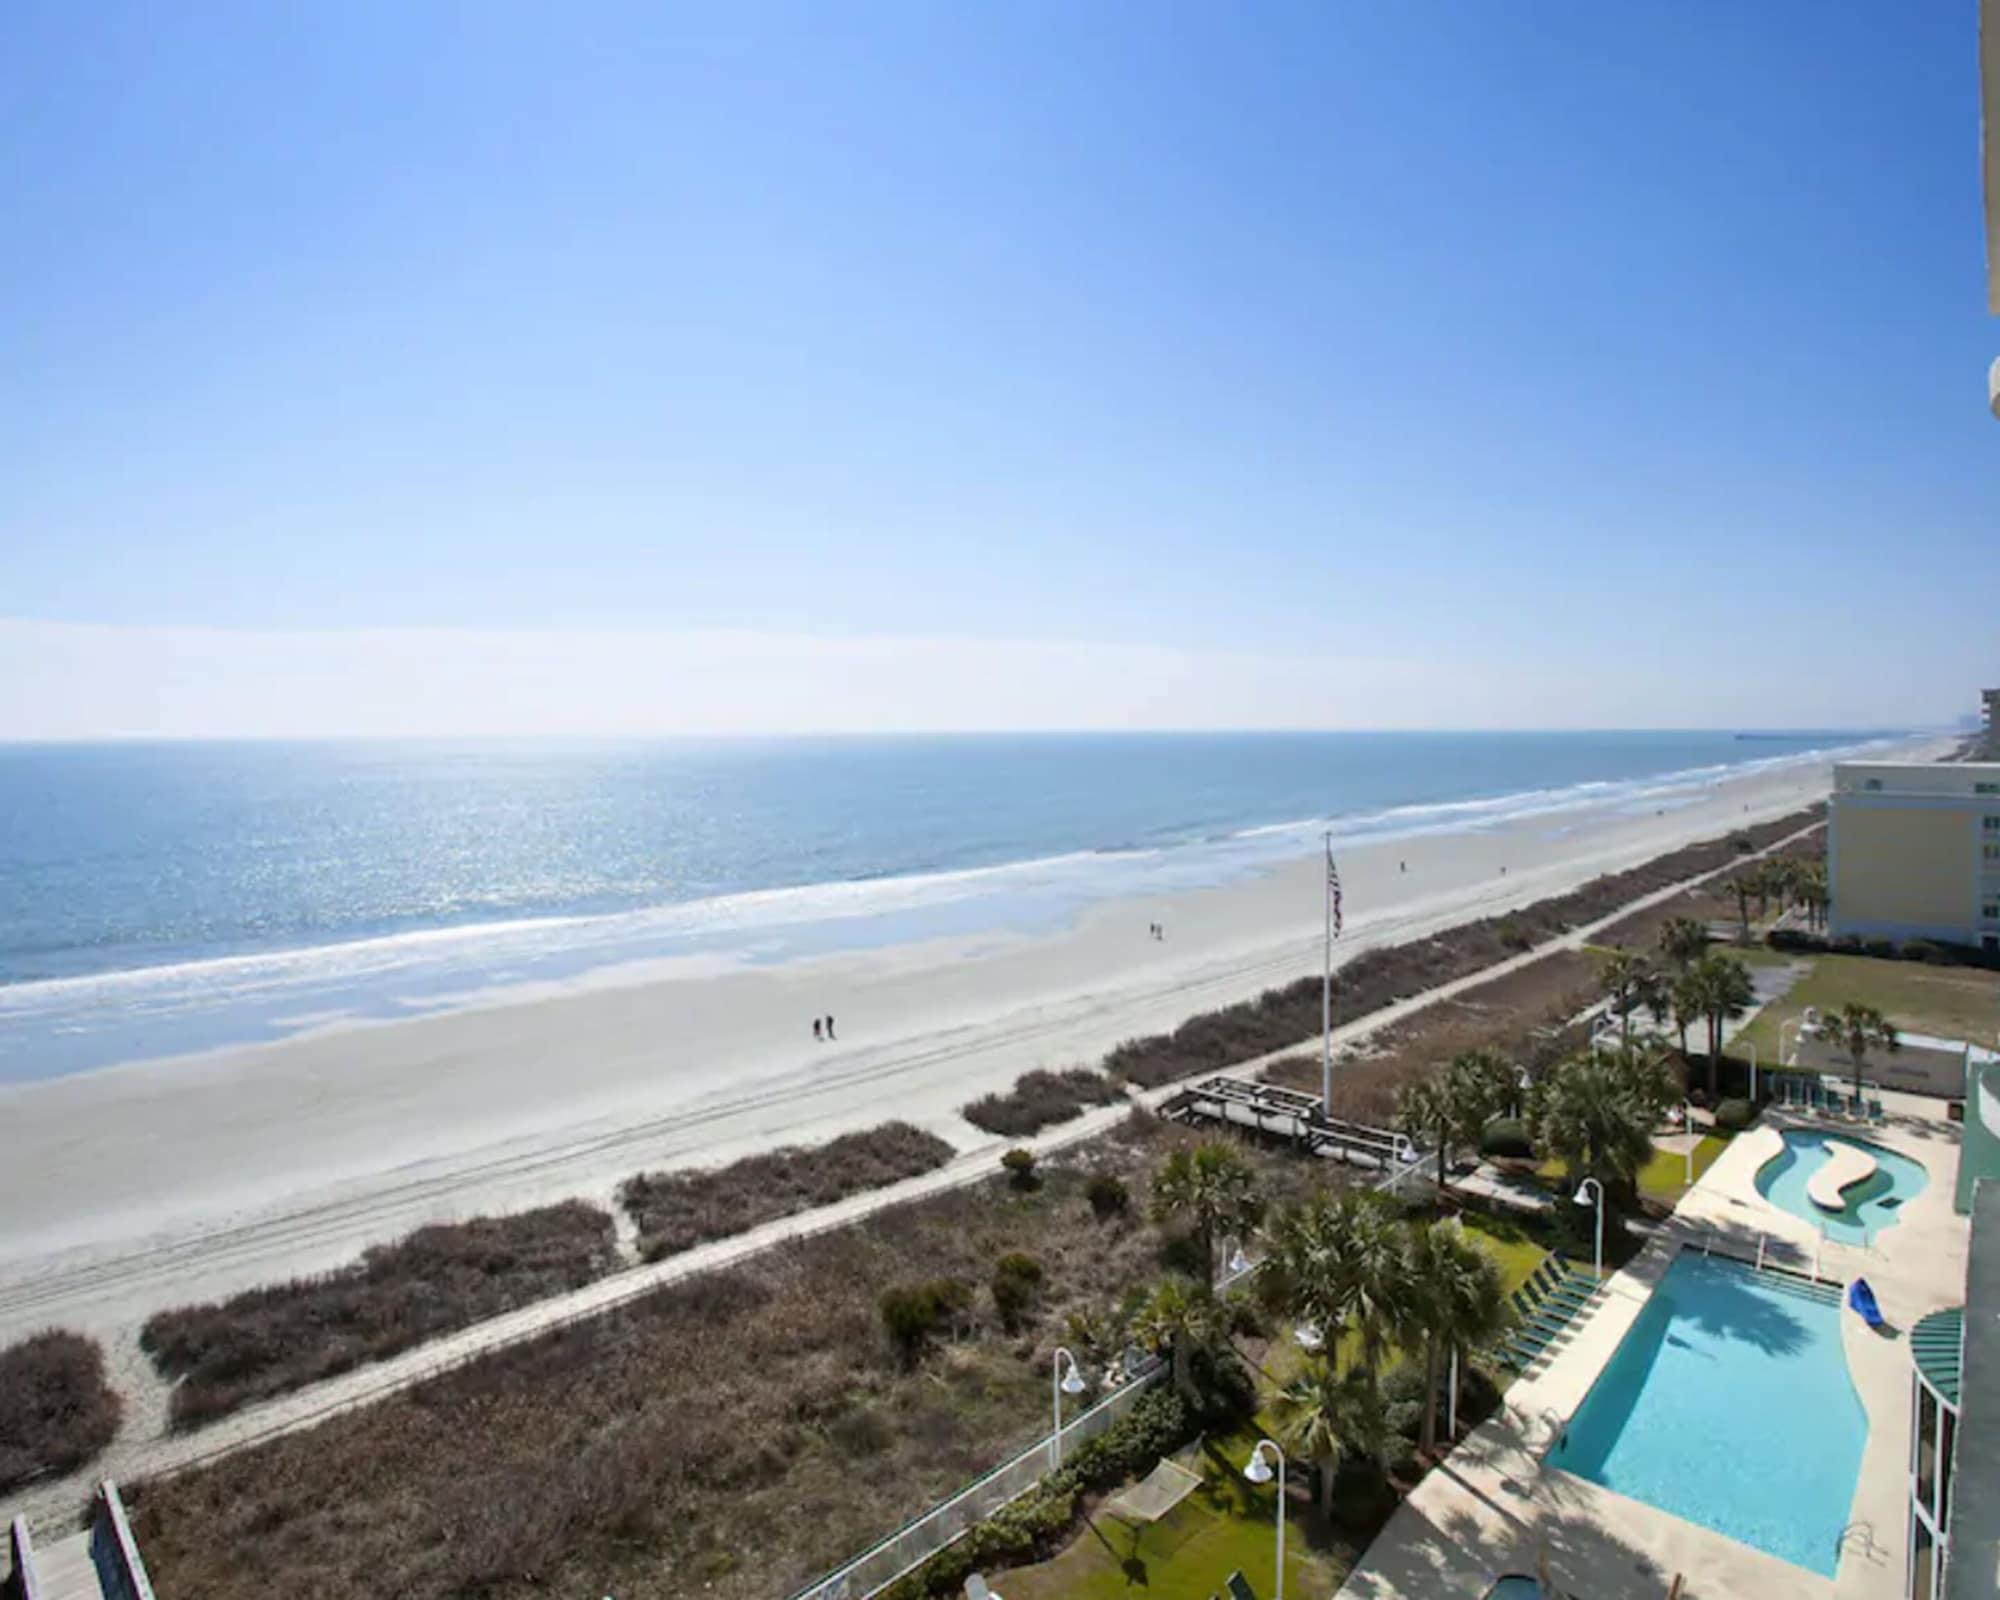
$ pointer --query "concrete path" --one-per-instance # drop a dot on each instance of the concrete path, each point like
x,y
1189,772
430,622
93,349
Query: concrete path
x,y
53,1506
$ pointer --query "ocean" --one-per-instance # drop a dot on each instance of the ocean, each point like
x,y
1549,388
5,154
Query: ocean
x,y
164,898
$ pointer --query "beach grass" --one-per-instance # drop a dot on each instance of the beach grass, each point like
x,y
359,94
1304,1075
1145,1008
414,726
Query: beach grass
x,y
228,1353
678,1210
1040,1099
57,1410
733,1435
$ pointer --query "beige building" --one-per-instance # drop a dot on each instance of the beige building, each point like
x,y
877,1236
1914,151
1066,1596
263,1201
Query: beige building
x,y
1913,851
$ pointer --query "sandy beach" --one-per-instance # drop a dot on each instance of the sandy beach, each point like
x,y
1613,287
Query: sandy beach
x,y
134,1187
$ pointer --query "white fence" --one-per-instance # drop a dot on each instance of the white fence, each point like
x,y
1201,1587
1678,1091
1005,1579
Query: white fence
x,y
917,1541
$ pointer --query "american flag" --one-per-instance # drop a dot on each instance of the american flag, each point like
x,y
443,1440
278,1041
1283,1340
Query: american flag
x,y
1333,889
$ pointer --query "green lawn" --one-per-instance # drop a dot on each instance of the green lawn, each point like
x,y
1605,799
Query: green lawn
x,y
1227,1525
1954,1002
1510,1245
1662,1178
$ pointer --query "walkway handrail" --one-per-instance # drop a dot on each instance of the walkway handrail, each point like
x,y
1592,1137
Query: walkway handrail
x,y
21,1558
115,1552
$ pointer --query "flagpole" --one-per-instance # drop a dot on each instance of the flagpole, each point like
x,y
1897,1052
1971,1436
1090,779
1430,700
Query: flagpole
x,y
1326,994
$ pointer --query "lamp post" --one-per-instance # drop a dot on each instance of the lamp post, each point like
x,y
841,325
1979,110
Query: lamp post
x,y
1687,1137
1753,1071
1308,1337
1060,1384
1588,1192
1235,1262
1258,1470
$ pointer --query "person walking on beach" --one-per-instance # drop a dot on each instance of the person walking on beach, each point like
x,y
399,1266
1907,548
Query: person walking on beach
x,y
829,1024
815,1027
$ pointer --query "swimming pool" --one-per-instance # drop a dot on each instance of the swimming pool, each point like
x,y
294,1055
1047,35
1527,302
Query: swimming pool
x,y
1728,1403
1867,1208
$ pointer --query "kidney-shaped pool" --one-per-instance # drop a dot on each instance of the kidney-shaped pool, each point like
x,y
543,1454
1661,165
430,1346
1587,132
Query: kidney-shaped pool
x,y
1874,1182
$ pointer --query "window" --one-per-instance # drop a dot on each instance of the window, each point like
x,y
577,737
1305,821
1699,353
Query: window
x,y
1872,783
1986,788
1947,1428
1990,851
1991,823
1922,1559
1989,911
1927,1429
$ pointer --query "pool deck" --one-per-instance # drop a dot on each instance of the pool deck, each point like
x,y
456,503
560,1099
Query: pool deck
x,y
1493,1507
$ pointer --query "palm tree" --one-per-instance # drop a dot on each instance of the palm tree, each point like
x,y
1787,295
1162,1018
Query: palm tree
x,y
1456,1299
1598,1115
1683,941
1179,1318
1631,984
1857,1029
1721,990
1424,1111
1454,1104
1809,890
1337,1260
1324,1415
1745,887
1684,997
1214,1188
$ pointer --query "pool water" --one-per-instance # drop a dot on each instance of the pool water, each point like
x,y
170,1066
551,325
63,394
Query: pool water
x,y
1728,1403
1869,1206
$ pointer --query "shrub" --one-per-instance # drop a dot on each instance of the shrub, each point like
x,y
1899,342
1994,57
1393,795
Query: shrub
x,y
1506,1139
1017,1279
1733,1116
56,1409
1019,1166
1033,1526
1925,950
1040,1098
913,1313
1515,937
676,1211
437,1280
1107,1195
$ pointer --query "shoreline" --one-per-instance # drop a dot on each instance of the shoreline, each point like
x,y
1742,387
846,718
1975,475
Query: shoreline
x,y
195,1002
165,1181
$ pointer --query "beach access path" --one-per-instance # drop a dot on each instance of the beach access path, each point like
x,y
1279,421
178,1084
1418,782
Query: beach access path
x,y
144,1449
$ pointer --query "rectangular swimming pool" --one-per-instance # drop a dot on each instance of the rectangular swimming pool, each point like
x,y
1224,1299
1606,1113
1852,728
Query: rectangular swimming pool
x,y
1728,1402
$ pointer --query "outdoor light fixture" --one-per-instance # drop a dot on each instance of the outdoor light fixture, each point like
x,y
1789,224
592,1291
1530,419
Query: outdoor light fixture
x,y
1591,1192
1308,1336
1238,1262
1258,1471
1065,1378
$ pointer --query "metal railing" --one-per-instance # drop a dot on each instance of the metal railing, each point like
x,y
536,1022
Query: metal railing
x,y
911,1545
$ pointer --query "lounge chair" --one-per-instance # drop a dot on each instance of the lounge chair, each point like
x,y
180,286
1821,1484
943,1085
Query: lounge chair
x,y
1862,1299
1239,1587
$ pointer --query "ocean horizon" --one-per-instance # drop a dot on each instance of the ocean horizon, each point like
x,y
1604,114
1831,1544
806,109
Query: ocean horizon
x,y
164,898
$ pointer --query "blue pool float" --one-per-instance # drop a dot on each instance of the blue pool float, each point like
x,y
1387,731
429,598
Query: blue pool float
x,y
1862,1299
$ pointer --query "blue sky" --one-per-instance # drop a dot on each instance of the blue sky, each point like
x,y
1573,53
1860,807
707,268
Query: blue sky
x,y
1629,357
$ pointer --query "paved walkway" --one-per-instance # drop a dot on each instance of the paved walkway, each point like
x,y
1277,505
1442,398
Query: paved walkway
x,y
139,1454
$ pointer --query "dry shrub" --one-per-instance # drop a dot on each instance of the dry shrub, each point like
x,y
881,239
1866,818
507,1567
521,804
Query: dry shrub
x,y
1040,1098
732,1436
1280,1018
678,1210
56,1409
435,1281
1523,1014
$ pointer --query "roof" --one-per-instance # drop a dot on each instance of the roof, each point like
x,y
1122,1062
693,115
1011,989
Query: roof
x,y
1934,1346
1975,1492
